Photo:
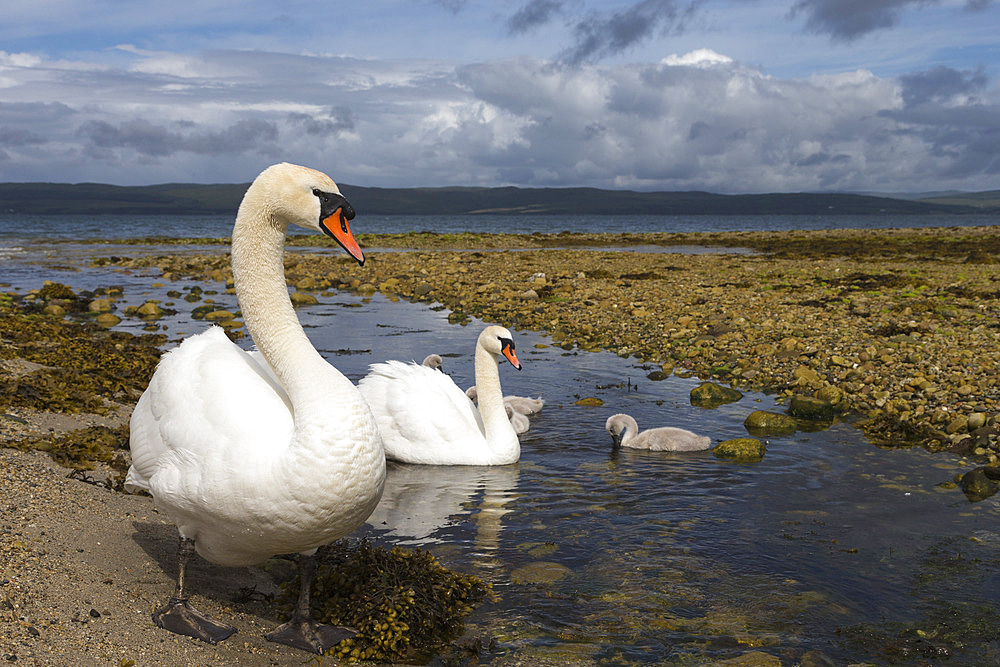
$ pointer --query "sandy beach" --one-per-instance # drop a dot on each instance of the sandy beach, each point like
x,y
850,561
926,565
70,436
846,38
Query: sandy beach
x,y
896,329
82,569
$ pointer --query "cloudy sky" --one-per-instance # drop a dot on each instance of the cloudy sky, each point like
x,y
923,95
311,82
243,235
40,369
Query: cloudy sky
x,y
721,95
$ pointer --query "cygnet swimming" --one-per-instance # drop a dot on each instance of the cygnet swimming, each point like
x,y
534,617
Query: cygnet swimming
x,y
521,404
433,361
625,433
517,420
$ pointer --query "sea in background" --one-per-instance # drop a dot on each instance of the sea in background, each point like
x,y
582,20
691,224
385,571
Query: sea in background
x,y
19,228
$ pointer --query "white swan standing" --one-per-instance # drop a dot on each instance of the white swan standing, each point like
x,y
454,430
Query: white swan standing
x,y
253,459
425,418
625,433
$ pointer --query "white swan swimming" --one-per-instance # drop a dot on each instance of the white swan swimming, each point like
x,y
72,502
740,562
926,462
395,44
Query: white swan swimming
x,y
625,433
425,418
264,453
521,404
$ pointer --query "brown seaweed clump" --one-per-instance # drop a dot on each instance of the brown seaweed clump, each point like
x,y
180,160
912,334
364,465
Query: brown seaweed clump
x,y
81,449
405,605
889,431
75,366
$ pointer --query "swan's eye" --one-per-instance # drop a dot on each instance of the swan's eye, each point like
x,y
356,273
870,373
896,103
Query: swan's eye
x,y
329,202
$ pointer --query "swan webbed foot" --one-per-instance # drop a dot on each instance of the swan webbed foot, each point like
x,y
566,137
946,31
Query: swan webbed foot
x,y
304,633
181,618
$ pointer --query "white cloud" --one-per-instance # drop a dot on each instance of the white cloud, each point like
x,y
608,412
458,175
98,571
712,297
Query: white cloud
x,y
697,58
19,60
699,120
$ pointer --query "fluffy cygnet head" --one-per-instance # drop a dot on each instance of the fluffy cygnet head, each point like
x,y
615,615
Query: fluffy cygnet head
x,y
433,361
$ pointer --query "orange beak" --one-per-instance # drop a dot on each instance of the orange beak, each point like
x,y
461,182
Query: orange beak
x,y
508,352
336,226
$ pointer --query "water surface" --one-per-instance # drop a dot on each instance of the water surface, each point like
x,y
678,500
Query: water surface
x,y
16,228
640,557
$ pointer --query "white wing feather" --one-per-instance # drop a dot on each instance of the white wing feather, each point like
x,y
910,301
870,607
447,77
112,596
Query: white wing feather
x,y
421,413
206,396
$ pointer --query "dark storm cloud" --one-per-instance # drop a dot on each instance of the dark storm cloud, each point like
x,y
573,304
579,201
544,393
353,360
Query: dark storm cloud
x,y
241,136
17,137
963,140
940,85
600,35
848,20
15,112
139,135
337,120
534,13
157,141
818,159
17,117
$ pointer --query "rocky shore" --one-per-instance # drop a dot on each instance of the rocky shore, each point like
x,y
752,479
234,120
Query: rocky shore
x,y
899,327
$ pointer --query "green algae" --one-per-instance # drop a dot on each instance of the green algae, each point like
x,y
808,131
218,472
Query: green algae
x,y
52,290
764,423
84,365
743,450
941,629
711,395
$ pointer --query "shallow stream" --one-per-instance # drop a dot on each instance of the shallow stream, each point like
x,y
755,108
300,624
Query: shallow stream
x,y
828,548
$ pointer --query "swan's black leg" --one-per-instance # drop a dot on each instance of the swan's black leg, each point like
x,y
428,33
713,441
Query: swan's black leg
x,y
179,616
302,631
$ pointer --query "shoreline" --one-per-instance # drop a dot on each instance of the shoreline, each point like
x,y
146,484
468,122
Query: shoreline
x,y
902,331
896,326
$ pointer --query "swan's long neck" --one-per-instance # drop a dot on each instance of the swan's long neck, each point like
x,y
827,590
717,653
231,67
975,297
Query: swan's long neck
x,y
499,433
318,392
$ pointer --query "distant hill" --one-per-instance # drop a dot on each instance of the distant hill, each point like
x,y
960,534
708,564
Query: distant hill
x,y
987,199
190,198
96,198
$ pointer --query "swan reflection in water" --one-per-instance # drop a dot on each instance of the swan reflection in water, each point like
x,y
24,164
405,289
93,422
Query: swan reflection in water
x,y
419,501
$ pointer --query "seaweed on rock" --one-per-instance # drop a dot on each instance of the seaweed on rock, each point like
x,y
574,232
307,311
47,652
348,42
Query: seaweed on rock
x,y
403,602
80,449
890,431
83,365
